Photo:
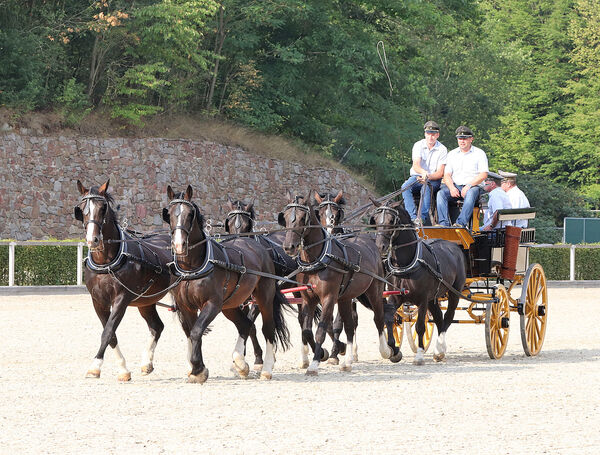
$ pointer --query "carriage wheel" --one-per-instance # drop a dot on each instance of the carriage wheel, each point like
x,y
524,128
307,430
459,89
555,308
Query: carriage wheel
x,y
497,317
411,332
534,311
398,327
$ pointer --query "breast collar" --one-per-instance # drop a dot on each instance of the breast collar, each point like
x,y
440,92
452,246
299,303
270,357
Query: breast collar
x,y
205,269
113,265
322,261
403,271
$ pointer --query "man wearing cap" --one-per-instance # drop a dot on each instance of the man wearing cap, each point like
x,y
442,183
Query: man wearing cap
x,y
498,200
429,161
517,198
466,168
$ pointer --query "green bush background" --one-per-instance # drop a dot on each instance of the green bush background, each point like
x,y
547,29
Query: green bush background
x,y
41,265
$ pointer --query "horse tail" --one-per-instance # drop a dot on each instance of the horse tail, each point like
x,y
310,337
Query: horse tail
x,y
282,333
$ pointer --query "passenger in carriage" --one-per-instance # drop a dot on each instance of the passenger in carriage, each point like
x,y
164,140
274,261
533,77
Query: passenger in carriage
x,y
466,168
517,198
498,200
429,160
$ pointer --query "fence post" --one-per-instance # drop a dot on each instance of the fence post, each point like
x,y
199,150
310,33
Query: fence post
x,y
11,263
572,263
79,263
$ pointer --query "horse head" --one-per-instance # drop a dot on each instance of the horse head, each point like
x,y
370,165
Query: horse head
x,y
94,210
330,210
240,217
387,219
183,217
296,217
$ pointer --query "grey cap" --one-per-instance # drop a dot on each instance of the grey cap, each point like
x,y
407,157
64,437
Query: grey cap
x,y
507,175
431,127
464,131
493,175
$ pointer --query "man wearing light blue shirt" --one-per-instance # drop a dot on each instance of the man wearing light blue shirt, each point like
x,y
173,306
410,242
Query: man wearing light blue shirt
x,y
429,161
498,200
466,168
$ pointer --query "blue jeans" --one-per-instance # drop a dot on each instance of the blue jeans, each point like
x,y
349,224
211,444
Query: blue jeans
x,y
466,212
415,189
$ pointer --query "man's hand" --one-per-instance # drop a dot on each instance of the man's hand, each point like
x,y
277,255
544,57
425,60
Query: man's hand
x,y
487,228
465,190
422,178
454,192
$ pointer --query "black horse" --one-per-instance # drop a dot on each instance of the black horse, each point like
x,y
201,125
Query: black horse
x,y
121,271
336,272
220,278
426,268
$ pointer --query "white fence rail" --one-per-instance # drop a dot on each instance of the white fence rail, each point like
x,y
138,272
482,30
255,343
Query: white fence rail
x,y
11,256
80,245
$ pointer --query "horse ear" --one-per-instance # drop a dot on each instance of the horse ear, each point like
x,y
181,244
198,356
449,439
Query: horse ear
x,y
170,193
189,192
290,196
338,197
227,224
375,203
281,219
165,215
318,198
308,199
372,221
229,203
103,188
78,214
249,207
82,189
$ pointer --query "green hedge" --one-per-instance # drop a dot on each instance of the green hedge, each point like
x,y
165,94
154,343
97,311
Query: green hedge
x,y
556,262
40,265
587,264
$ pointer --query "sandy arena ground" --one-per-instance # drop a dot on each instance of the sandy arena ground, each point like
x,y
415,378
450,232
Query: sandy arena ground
x,y
467,404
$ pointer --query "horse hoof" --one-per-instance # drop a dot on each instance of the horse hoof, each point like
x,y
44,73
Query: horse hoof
x,y
257,366
96,374
312,372
265,375
345,367
395,358
303,364
439,357
147,369
333,361
124,377
419,362
199,378
325,355
243,372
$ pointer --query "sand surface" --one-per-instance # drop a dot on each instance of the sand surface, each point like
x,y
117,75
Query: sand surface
x,y
466,404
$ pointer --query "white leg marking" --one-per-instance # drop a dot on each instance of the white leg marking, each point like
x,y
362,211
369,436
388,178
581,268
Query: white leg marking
x,y
348,358
313,368
120,360
148,353
440,347
420,357
304,356
189,352
96,365
269,362
384,349
238,358
355,350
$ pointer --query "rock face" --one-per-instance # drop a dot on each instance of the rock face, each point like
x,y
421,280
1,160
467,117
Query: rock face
x,y
38,178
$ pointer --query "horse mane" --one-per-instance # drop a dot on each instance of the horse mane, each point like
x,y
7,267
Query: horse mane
x,y
109,199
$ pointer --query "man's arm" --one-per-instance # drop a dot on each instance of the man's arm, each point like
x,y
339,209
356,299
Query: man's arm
x,y
476,181
492,224
450,184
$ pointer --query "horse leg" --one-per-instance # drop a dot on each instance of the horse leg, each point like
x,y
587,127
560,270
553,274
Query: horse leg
x,y
355,321
243,324
156,327
328,304
253,313
376,301
210,310
345,312
420,328
305,318
440,346
334,333
389,316
110,321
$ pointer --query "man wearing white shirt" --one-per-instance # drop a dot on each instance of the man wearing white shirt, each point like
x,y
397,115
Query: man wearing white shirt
x,y
466,168
429,161
498,200
517,198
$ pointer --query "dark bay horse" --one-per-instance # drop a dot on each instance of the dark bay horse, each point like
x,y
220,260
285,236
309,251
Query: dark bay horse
x,y
422,267
220,278
121,271
337,273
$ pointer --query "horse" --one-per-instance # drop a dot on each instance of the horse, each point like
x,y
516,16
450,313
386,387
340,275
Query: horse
x,y
218,279
241,219
335,271
426,268
330,213
121,271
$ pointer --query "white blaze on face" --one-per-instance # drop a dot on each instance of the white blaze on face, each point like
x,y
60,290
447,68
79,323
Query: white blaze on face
x,y
330,219
178,239
92,227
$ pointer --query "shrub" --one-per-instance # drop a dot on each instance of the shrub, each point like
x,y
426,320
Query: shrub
x,y
587,263
555,262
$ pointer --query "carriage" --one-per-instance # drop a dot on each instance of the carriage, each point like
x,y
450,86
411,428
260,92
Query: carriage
x,y
500,281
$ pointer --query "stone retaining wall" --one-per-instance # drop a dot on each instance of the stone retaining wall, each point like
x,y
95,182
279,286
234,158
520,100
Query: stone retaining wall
x,y
38,180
